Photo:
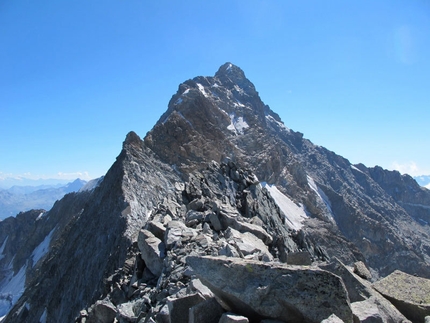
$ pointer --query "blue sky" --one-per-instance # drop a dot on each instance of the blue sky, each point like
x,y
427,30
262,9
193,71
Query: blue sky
x,y
77,76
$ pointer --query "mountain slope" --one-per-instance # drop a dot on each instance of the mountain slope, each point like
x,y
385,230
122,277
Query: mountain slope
x,y
96,238
210,118
218,170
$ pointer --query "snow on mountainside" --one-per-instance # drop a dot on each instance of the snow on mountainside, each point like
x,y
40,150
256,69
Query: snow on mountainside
x,y
23,198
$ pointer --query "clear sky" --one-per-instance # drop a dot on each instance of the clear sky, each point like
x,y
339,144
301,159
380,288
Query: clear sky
x,y
77,76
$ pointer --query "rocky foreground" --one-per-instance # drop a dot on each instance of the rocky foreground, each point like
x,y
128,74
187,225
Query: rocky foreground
x,y
198,259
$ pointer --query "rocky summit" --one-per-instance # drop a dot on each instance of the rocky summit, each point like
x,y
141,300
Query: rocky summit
x,y
221,213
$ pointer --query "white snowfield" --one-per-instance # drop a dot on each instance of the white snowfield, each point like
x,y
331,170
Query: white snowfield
x,y
237,125
13,285
294,214
320,194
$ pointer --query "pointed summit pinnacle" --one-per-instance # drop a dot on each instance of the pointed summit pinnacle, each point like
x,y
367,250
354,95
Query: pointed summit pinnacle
x,y
230,74
230,70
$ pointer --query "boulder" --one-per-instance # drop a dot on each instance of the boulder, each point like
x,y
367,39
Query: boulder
x,y
179,307
153,251
102,312
173,233
360,289
366,312
156,228
233,318
247,243
208,311
259,290
332,319
231,218
410,294
361,270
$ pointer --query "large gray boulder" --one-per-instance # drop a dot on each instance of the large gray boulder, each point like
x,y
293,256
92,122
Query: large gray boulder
x,y
366,312
360,290
153,251
259,290
410,294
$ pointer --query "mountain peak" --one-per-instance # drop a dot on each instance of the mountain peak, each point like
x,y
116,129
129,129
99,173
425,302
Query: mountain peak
x,y
230,70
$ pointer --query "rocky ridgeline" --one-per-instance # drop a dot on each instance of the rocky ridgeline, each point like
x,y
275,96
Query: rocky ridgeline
x,y
182,230
213,255
382,214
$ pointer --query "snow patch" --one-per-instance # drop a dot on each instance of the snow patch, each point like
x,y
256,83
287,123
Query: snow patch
x,y
11,289
279,124
182,116
238,104
320,193
237,125
92,184
43,317
358,170
294,214
202,89
43,248
178,101
41,214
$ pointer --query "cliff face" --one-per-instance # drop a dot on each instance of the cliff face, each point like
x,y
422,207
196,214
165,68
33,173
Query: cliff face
x,y
219,174
94,240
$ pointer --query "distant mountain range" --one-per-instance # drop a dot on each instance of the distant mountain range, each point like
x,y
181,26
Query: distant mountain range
x,y
8,182
423,180
23,198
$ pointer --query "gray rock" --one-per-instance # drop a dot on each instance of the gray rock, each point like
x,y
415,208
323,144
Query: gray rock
x,y
302,258
126,313
153,251
410,294
360,289
258,290
233,318
427,319
156,228
366,312
216,224
361,270
197,286
173,233
163,316
102,312
247,243
208,311
229,218
179,307
332,319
